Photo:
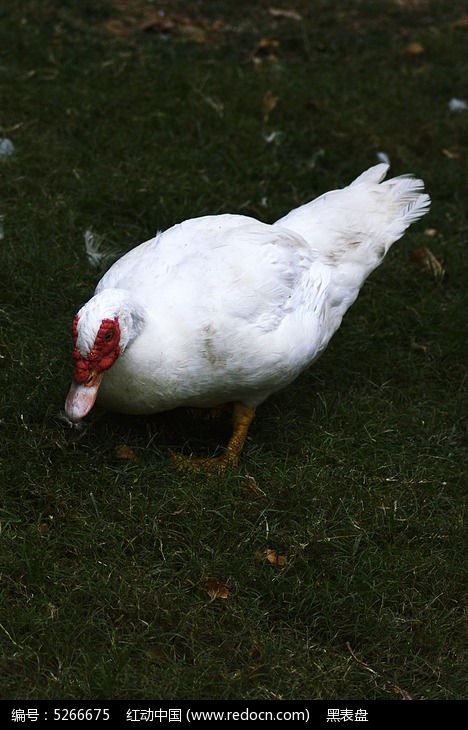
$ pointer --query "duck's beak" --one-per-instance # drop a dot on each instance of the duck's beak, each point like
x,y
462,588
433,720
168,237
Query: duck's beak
x,y
81,397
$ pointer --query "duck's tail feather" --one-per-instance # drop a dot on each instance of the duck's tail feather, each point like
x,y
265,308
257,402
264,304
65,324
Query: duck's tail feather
x,y
372,175
357,224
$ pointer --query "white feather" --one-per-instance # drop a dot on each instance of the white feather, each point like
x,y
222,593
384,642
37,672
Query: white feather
x,y
97,257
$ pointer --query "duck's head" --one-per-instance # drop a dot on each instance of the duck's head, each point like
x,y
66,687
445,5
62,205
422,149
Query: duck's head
x,y
102,330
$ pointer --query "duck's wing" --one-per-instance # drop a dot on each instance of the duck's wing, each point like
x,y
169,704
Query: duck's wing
x,y
154,258
219,266
242,270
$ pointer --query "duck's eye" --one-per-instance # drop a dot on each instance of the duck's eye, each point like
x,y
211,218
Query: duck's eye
x,y
108,336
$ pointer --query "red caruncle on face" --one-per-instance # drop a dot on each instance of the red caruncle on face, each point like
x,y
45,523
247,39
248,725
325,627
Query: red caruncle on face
x,y
103,353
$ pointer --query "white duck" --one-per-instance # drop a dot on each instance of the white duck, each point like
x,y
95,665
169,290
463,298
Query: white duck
x,y
225,309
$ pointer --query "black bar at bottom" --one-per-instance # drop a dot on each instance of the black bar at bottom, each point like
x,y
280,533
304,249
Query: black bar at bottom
x,y
363,714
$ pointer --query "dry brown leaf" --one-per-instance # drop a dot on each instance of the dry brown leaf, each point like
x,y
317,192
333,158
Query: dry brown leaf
x,y
272,557
419,346
125,453
255,653
461,22
117,27
415,48
215,588
196,29
267,43
280,13
43,528
450,153
155,653
250,484
425,259
265,51
178,512
269,103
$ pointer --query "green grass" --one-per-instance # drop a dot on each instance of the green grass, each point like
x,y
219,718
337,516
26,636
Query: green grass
x,y
359,466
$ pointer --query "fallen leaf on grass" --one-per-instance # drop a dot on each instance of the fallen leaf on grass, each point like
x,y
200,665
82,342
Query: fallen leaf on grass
x,y
272,557
461,22
199,30
215,588
155,653
266,44
125,453
250,484
269,103
280,13
420,346
249,671
265,51
178,512
451,153
415,48
43,528
130,20
425,259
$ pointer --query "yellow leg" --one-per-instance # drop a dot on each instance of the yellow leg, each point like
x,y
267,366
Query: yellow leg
x,y
241,419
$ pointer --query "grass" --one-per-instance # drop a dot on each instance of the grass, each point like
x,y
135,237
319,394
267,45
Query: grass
x,y
354,475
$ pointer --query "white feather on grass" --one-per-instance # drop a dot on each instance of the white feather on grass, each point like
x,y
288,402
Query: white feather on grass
x,y
97,257
457,105
7,147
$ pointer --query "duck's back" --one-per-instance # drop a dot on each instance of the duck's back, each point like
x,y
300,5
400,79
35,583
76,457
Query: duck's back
x,y
223,266
170,250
